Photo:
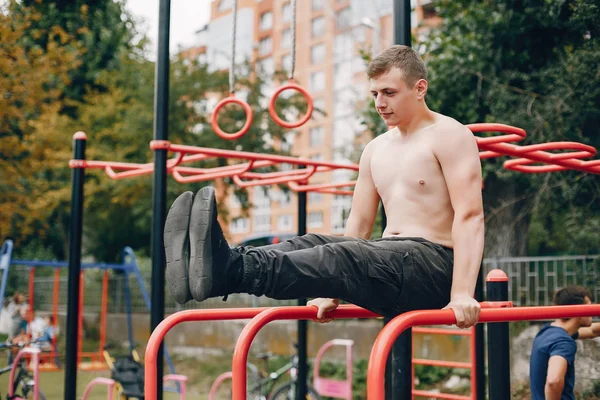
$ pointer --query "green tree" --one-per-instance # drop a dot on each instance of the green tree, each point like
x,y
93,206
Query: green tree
x,y
33,79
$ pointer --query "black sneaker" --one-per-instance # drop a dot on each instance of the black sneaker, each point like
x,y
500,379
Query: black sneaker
x,y
176,237
210,270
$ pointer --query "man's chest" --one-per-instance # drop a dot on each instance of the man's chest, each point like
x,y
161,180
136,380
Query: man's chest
x,y
406,166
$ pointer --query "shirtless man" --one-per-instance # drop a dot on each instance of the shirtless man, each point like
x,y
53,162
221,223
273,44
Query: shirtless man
x,y
427,172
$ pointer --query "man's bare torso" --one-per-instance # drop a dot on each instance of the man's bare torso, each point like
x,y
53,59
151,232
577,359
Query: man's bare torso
x,y
410,182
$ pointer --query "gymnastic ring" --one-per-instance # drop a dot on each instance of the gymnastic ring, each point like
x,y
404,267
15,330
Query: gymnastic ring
x,y
235,135
306,116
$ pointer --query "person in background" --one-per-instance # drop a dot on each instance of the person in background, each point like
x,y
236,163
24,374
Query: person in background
x,y
552,363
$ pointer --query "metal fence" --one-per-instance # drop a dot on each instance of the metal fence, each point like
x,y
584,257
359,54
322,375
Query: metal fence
x,y
532,281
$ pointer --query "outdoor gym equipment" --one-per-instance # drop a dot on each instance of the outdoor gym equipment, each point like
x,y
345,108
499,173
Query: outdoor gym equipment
x,y
292,85
232,99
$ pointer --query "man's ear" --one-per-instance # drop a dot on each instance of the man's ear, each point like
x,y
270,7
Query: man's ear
x,y
421,87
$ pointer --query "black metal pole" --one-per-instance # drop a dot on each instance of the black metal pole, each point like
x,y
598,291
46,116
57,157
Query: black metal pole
x,y
78,179
401,18
301,388
480,342
498,340
400,374
159,192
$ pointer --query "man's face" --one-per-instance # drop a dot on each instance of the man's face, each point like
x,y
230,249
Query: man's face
x,y
394,101
586,321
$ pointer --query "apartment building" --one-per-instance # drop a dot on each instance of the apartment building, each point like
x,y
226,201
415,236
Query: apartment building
x,y
329,35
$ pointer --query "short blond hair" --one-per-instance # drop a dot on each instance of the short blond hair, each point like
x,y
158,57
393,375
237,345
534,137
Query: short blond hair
x,y
402,57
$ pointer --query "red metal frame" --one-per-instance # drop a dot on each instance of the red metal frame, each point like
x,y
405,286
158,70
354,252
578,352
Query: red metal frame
x,y
157,337
391,331
535,158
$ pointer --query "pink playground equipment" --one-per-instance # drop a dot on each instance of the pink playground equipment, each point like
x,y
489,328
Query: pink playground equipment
x,y
339,389
34,353
110,386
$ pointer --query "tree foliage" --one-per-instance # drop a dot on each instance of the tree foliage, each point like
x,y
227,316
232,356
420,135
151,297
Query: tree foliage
x,y
59,83
532,64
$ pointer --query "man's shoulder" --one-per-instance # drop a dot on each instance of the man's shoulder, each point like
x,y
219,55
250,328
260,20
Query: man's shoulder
x,y
448,127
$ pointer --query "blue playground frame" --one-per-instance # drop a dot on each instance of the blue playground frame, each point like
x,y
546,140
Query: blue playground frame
x,y
129,266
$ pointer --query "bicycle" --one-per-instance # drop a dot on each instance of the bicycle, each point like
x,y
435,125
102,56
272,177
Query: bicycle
x,y
263,385
24,384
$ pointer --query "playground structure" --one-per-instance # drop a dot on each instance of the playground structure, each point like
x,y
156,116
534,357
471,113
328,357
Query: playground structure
x,y
87,361
247,172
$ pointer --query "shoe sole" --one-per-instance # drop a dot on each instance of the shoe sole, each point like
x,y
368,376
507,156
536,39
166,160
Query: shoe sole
x,y
204,212
176,239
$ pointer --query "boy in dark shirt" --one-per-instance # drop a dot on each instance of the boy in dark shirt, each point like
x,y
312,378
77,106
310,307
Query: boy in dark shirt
x,y
552,364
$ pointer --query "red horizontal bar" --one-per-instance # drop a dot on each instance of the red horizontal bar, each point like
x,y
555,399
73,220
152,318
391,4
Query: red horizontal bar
x,y
442,363
425,393
442,331
240,354
391,331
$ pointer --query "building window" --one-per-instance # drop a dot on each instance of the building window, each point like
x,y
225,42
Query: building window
x,y
266,66
286,62
265,46
317,53
266,20
319,106
286,12
315,219
317,157
316,137
315,197
343,18
284,223
261,223
318,27
318,4
225,5
239,225
286,38
317,81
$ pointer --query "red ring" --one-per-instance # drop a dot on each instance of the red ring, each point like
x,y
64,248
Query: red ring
x,y
235,135
282,122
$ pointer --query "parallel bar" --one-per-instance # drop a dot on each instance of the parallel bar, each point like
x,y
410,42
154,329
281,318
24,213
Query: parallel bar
x,y
441,363
442,331
424,393
383,343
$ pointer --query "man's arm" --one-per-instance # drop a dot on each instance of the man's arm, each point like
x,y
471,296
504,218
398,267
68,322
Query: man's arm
x,y
589,332
555,379
458,155
365,200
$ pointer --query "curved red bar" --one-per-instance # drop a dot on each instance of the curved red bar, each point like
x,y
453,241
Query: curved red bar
x,y
240,355
161,330
276,180
319,187
281,122
391,331
514,134
215,124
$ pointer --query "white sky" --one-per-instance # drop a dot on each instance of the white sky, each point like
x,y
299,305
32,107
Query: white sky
x,y
187,16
